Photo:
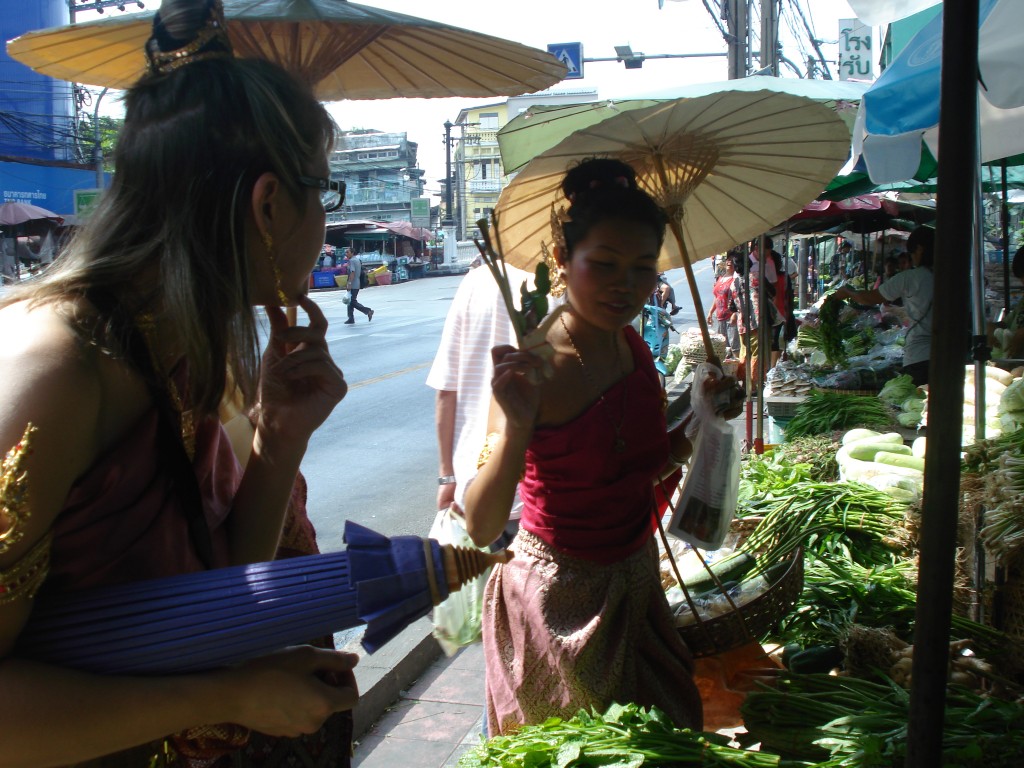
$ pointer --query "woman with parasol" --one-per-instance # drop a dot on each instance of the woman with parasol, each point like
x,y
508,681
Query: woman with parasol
x,y
578,617
115,363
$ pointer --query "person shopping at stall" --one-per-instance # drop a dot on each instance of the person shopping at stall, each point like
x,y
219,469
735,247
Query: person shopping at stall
x,y
578,617
915,288
115,361
722,316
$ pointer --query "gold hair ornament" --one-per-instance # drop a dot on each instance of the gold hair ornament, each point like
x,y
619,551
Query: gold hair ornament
x,y
210,42
14,509
559,217
268,243
24,578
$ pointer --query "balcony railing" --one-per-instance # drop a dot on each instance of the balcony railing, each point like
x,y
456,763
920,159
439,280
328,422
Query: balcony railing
x,y
483,185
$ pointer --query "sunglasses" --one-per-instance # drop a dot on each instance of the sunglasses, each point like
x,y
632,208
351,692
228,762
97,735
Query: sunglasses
x,y
332,193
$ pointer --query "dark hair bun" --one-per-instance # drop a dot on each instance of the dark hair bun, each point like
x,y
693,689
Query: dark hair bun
x,y
596,173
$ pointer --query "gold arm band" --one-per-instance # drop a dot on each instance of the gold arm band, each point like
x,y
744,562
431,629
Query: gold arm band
x,y
23,579
14,509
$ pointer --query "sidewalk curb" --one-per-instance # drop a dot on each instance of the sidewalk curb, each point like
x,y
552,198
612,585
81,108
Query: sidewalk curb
x,y
394,668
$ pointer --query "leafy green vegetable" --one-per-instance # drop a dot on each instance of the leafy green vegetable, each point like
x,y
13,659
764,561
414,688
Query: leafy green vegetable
x,y
824,412
626,736
896,391
830,331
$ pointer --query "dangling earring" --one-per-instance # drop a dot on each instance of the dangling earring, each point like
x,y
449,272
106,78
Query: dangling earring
x,y
558,219
557,273
268,243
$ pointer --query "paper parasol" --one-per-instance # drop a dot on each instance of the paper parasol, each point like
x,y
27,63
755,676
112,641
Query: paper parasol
x,y
342,49
724,167
214,618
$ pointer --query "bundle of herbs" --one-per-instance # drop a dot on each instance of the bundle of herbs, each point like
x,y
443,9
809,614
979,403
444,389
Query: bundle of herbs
x,y
845,721
824,412
830,330
853,521
765,475
816,451
626,736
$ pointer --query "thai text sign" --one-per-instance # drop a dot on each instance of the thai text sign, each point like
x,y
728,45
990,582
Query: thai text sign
x,y
856,54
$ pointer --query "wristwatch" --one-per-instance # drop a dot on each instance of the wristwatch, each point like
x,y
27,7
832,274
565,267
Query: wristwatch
x,y
446,480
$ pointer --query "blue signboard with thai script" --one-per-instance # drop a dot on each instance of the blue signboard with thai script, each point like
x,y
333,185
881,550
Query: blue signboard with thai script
x,y
49,187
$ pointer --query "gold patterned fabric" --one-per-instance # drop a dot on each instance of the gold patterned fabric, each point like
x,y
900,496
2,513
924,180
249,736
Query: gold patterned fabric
x,y
562,633
14,508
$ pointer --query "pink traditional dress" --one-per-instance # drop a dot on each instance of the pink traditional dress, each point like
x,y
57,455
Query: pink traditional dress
x,y
578,618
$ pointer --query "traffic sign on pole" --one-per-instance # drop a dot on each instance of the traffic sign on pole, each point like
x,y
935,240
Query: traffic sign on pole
x,y
570,54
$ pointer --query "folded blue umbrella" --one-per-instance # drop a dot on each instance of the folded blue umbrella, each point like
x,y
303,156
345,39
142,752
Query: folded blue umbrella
x,y
215,618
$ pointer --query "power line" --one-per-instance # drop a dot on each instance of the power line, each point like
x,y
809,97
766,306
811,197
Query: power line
x,y
813,39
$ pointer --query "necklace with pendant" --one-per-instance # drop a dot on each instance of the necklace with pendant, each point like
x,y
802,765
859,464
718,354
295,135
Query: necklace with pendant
x,y
619,444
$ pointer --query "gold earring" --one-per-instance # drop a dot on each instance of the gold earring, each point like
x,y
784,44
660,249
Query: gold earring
x,y
268,243
555,270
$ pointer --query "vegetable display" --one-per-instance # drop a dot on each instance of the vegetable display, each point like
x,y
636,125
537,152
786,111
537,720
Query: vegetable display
x,y
830,332
824,411
625,736
846,721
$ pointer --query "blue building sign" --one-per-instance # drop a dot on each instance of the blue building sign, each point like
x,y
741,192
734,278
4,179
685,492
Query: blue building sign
x,y
570,54
48,187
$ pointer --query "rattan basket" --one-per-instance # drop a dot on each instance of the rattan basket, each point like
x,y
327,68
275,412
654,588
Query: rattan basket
x,y
692,347
707,637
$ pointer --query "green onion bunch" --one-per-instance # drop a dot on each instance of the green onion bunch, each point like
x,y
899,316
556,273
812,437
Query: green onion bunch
x,y
824,412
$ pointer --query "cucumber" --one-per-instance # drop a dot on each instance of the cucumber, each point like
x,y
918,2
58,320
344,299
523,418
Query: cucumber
x,y
919,447
865,450
858,434
819,658
899,460
731,568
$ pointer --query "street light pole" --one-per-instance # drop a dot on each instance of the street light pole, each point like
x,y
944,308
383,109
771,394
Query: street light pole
x,y
448,223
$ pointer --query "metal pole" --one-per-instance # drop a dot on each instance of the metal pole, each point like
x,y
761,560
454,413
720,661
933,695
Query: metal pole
x,y
97,140
447,222
1006,239
958,137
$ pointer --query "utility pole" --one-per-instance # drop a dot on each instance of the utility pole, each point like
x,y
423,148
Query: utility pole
x,y
735,13
98,140
770,36
448,223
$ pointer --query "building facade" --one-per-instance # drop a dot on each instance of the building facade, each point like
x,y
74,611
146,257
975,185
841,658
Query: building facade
x,y
479,175
380,174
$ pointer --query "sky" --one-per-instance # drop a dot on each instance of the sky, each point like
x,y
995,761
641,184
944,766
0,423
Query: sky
x,y
681,26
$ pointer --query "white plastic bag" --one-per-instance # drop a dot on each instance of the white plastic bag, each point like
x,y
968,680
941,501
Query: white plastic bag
x,y
707,502
457,621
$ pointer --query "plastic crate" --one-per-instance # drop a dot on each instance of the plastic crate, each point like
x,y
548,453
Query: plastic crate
x,y
777,430
782,407
324,280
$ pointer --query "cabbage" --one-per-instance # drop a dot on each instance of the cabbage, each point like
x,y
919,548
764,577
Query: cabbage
x,y
909,418
914,405
898,390
1012,399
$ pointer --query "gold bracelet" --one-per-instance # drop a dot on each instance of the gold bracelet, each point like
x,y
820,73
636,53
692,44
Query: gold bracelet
x,y
14,509
24,578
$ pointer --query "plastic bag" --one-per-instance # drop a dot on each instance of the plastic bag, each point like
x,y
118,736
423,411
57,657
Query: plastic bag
x,y
707,502
458,620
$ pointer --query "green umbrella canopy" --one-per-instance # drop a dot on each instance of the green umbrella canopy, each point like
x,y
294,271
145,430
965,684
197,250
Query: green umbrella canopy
x,y
542,127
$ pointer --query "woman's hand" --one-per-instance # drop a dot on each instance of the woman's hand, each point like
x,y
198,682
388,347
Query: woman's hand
x,y
299,382
727,395
513,385
294,691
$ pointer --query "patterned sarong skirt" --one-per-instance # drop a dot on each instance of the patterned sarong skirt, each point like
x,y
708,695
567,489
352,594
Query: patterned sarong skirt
x,y
563,633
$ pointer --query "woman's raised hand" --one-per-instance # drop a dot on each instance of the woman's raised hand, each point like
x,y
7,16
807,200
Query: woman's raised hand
x,y
299,382
514,388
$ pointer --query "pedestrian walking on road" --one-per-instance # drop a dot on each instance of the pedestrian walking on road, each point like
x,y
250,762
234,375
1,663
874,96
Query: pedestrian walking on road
x,y
355,282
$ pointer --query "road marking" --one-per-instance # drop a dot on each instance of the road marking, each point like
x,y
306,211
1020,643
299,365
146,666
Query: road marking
x,y
392,375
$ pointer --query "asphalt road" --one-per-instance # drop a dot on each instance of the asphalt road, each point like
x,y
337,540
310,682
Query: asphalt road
x,y
374,460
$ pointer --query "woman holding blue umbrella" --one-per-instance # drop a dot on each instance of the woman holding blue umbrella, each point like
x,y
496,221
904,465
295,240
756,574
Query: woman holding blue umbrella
x,y
118,469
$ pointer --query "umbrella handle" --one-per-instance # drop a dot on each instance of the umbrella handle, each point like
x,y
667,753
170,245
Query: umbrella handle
x,y
463,564
677,232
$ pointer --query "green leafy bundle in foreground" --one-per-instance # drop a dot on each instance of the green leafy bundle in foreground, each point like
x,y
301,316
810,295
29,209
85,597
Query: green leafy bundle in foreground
x,y
626,736
823,412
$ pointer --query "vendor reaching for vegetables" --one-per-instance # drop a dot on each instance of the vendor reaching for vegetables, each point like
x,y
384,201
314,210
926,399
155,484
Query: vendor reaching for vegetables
x,y
578,618
915,288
